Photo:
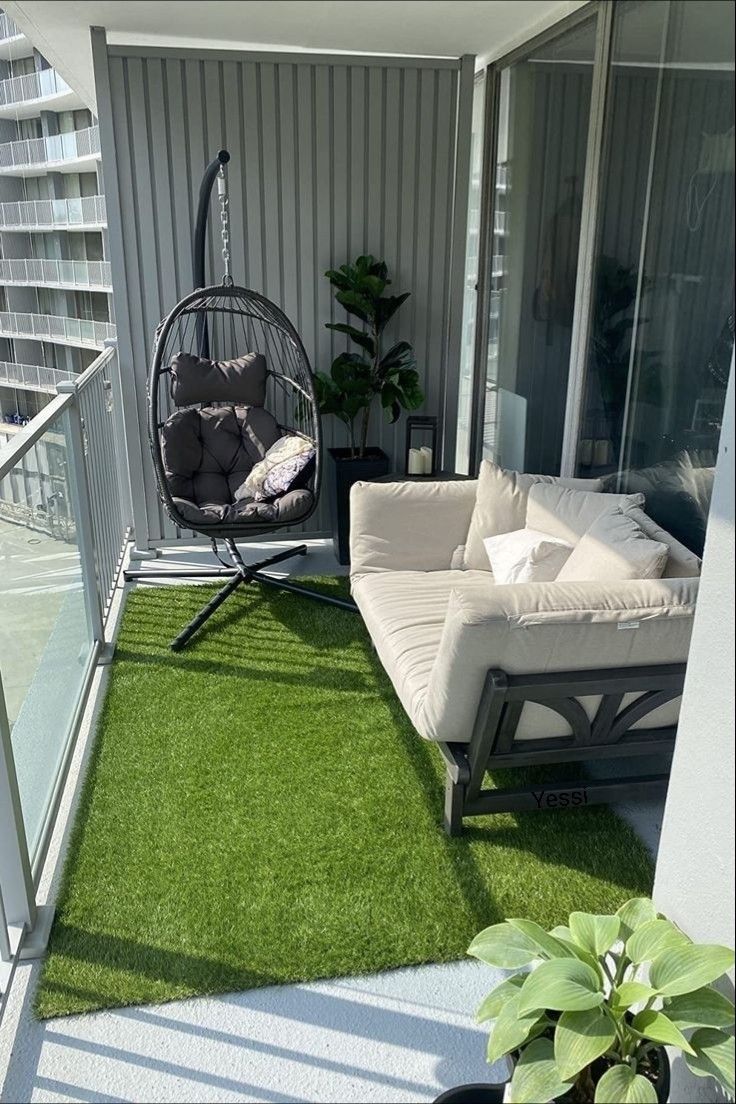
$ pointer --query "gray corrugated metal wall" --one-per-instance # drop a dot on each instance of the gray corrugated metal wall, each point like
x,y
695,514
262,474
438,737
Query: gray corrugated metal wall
x,y
331,157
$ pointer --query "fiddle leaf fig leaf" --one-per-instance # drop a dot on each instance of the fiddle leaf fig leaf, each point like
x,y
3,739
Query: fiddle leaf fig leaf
x,y
355,303
653,937
580,1038
536,1076
358,336
504,946
713,1057
562,984
596,934
621,1085
704,1007
656,1026
689,967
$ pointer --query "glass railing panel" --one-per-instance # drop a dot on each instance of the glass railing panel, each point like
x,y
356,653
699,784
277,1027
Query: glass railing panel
x,y
45,639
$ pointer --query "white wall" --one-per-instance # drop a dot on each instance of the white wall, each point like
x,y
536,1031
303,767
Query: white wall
x,y
694,883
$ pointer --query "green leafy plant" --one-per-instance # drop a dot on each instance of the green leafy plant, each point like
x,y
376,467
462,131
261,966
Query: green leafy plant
x,y
602,995
356,379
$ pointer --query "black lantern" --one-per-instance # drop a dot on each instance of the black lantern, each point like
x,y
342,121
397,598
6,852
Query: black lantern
x,y
421,445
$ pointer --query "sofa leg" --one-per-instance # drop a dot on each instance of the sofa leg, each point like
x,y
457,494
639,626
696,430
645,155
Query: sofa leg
x,y
454,802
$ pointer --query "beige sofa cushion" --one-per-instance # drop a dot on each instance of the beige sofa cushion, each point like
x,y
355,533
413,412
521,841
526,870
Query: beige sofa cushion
x,y
408,526
568,513
404,612
615,547
438,633
501,507
681,562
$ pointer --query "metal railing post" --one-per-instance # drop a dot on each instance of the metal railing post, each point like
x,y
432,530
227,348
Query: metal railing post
x,y
79,489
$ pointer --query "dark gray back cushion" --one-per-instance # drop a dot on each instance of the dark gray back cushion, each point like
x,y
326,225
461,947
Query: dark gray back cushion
x,y
195,379
208,453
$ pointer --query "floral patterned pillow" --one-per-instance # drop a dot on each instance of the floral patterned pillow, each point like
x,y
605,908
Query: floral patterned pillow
x,y
277,472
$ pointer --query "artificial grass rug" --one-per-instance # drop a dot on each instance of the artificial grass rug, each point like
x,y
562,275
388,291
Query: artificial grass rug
x,y
259,809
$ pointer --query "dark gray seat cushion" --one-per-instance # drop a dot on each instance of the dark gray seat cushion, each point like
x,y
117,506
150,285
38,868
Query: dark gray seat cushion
x,y
208,454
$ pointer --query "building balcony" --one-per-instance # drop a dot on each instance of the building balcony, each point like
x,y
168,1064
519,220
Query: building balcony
x,y
24,96
75,151
13,43
40,272
32,377
81,213
82,333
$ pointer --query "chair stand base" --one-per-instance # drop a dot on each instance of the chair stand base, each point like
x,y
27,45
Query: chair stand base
x,y
238,575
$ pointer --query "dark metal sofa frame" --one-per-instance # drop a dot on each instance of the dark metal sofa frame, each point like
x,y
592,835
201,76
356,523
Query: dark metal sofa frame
x,y
609,735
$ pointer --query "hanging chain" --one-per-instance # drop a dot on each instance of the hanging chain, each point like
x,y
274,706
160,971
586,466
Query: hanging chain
x,y
224,224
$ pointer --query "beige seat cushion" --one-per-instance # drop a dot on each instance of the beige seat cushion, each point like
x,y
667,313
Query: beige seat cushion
x,y
437,633
404,612
501,507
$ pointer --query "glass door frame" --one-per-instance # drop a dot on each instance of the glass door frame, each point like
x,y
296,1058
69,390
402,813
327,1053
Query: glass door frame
x,y
602,10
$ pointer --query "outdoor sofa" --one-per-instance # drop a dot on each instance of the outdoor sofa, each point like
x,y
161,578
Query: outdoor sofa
x,y
524,673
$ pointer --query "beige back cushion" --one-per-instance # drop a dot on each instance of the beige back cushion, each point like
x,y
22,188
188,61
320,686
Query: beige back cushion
x,y
681,562
501,507
614,548
568,513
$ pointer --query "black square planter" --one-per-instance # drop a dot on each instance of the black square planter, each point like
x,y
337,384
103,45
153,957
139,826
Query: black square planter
x,y
343,470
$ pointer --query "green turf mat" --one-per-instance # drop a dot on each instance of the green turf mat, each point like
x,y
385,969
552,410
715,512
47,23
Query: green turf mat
x,y
259,809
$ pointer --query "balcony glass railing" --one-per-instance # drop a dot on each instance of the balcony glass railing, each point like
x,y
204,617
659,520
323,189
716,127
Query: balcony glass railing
x,y
64,524
8,27
52,150
83,213
32,86
32,377
50,327
41,272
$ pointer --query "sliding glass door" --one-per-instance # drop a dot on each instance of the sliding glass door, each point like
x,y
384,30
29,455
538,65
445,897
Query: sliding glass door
x,y
607,292
662,323
540,152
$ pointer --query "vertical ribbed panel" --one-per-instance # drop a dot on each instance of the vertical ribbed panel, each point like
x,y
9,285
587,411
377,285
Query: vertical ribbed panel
x,y
329,159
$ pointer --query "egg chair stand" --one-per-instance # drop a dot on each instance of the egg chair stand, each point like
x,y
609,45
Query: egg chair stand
x,y
212,421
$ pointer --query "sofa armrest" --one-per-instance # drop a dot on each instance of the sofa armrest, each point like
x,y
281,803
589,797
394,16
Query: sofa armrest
x,y
543,627
408,526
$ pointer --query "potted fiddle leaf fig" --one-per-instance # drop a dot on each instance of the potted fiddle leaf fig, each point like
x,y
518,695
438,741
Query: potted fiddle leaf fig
x,y
591,1005
358,379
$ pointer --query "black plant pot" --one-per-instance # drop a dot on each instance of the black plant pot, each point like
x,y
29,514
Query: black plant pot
x,y
342,471
473,1094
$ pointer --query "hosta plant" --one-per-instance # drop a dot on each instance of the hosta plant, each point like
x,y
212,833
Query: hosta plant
x,y
590,1004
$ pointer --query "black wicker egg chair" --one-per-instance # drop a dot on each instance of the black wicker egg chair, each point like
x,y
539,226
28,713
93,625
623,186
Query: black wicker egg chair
x,y
234,425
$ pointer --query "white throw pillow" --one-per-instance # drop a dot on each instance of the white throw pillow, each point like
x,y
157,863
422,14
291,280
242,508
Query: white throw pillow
x,y
501,505
614,548
526,556
568,513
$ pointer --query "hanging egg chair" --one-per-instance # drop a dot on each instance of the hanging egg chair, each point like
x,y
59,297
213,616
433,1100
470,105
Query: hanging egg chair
x,y
233,424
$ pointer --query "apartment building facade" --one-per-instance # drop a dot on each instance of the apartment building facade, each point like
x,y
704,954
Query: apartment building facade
x,y
55,287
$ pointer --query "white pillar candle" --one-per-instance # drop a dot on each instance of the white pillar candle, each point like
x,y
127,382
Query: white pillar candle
x,y
426,459
416,462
